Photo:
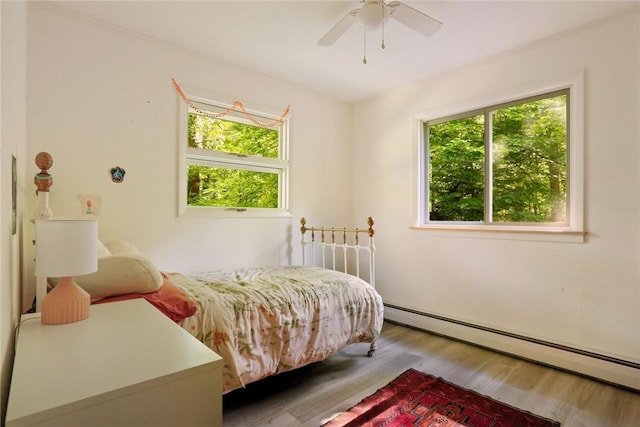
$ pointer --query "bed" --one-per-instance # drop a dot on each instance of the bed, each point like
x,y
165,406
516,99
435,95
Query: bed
x,y
268,320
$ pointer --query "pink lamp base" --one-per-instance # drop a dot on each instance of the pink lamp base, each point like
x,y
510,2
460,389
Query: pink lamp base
x,y
66,303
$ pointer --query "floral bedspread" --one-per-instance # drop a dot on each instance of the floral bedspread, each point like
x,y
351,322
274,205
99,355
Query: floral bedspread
x,y
267,320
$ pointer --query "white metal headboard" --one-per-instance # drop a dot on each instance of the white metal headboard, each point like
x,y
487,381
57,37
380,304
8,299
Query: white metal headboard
x,y
339,241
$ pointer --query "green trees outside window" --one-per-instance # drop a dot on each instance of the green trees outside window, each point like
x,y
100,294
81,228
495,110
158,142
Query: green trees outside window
x,y
504,164
225,187
228,173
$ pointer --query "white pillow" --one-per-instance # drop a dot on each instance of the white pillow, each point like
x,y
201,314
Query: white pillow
x,y
120,247
102,250
119,275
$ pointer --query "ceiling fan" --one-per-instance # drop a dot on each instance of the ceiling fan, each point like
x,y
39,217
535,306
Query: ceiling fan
x,y
374,14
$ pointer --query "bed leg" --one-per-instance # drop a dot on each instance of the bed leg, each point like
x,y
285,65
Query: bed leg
x,y
372,348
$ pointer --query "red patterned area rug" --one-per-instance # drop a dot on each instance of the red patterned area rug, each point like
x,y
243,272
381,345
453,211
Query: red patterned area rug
x,y
418,399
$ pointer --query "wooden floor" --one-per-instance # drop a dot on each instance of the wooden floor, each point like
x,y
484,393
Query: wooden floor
x,y
311,394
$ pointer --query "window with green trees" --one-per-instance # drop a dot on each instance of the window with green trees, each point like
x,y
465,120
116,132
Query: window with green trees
x,y
233,161
505,164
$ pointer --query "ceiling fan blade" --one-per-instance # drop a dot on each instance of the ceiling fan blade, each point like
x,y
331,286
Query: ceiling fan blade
x,y
413,18
339,29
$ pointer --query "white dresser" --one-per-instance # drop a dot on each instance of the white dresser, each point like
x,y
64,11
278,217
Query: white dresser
x,y
126,365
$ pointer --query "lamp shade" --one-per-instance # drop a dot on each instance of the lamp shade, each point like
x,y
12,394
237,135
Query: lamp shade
x,y
66,247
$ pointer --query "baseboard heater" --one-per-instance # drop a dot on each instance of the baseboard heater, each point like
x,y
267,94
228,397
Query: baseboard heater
x,y
619,372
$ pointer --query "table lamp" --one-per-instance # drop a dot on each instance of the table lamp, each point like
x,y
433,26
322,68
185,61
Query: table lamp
x,y
66,248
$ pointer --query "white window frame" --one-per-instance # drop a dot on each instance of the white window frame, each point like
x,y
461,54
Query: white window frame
x,y
201,157
574,230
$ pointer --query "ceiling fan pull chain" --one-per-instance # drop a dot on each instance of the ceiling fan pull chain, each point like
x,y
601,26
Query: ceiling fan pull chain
x,y
382,20
364,47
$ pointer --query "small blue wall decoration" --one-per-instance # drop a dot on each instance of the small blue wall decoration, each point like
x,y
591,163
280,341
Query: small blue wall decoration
x,y
117,174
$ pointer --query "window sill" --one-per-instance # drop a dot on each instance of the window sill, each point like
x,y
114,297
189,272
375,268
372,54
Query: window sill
x,y
543,234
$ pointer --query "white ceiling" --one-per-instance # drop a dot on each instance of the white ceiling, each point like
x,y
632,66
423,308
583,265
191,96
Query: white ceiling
x,y
278,38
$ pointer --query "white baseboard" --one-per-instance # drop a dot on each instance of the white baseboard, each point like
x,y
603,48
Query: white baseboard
x,y
601,367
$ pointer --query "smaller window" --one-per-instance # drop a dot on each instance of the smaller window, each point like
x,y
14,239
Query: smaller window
x,y
232,163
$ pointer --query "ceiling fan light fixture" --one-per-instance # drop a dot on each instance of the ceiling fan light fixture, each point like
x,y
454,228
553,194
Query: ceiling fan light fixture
x,y
375,13
372,15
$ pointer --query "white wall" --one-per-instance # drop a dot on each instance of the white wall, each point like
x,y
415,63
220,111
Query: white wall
x,y
100,97
584,295
12,143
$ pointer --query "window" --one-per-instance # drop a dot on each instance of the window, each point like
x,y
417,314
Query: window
x,y
507,167
232,163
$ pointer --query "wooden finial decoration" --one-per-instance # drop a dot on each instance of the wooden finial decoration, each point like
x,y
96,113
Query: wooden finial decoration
x,y
43,180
